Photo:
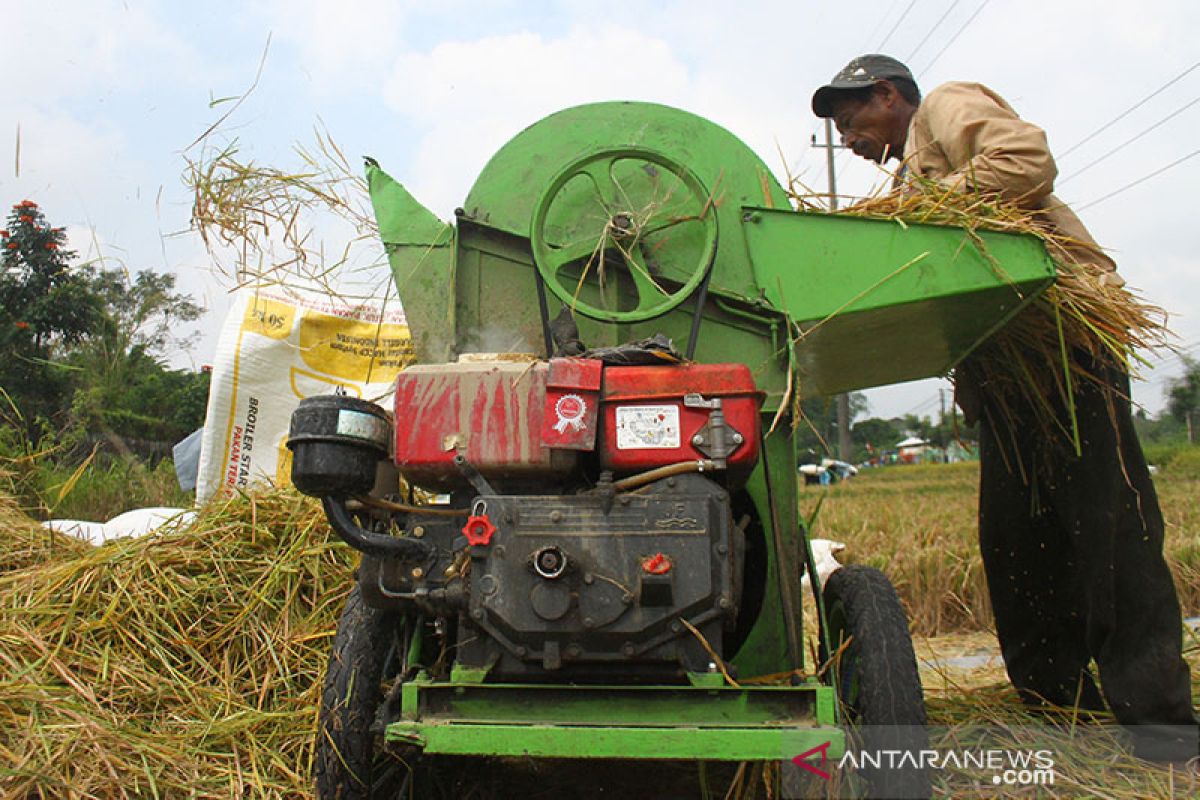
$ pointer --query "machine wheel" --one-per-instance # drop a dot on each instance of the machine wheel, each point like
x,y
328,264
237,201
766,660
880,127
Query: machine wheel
x,y
876,675
632,221
367,652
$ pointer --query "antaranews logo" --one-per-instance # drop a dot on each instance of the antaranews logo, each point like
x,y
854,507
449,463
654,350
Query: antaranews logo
x,y
1009,767
801,760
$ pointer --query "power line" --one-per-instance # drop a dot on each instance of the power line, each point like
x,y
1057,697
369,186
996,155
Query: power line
x,y
954,38
927,403
879,24
1127,111
1130,141
1140,180
1175,357
879,49
936,25
866,43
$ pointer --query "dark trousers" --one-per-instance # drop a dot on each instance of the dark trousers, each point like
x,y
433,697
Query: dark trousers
x,y
1072,550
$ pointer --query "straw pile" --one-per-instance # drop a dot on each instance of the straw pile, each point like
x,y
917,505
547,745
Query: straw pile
x,y
1037,361
24,543
181,665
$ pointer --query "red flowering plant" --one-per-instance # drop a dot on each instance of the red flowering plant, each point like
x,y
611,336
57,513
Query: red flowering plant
x,y
33,254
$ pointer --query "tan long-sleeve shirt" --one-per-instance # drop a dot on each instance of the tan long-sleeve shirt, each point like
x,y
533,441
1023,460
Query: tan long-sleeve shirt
x,y
968,138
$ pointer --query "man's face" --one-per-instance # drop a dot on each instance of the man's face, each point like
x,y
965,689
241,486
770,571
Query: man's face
x,y
872,129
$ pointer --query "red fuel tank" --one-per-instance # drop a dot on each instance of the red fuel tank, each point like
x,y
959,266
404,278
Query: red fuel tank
x,y
646,423
491,411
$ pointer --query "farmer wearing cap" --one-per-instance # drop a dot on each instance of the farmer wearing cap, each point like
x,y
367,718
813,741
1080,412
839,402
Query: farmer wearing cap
x,y
1071,543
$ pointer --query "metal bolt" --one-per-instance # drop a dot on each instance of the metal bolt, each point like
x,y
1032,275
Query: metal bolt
x,y
556,516
623,500
588,622
737,437
574,651
676,627
722,549
589,578
418,532
418,572
670,481
521,651
628,649
697,439
724,604
627,599
477,613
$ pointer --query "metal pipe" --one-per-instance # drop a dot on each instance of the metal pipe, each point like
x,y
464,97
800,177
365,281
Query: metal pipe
x,y
374,544
388,505
658,473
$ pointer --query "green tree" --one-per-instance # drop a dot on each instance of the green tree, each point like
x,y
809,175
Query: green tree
x,y
123,388
46,308
1183,397
872,436
817,431
86,344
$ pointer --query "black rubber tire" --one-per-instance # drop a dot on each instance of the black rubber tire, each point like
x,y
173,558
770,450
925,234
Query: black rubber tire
x,y
876,676
350,762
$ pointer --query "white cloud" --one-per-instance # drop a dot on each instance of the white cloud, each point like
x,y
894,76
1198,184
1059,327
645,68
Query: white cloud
x,y
60,155
338,42
80,48
469,98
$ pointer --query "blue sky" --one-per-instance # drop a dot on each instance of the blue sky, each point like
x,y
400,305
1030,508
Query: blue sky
x,y
107,95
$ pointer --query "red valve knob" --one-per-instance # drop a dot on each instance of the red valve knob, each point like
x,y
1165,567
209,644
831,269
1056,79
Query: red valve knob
x,y
479,530
657,564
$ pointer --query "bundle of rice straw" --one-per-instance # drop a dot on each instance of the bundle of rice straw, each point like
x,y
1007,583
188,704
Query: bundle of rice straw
x,y
187,664
24,543
1039,359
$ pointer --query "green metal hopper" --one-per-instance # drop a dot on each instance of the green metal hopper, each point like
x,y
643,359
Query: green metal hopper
x,y
873,302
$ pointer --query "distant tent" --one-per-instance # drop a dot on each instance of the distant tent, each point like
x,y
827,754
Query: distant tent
x,y
912,441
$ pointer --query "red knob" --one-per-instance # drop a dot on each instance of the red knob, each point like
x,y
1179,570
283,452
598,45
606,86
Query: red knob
x,y
657,564
479,530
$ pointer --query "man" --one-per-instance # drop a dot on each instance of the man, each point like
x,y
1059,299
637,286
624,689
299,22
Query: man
x,y
1071,544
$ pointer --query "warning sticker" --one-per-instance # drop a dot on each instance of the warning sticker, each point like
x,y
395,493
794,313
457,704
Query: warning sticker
x,y
647,427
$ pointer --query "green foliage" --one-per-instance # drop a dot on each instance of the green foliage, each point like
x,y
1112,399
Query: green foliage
x,y
85,344
1185,463
1161,434
45,307
1183,397
1161,453
873,436
817,432
45,483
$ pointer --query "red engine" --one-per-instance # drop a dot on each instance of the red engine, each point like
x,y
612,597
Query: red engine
x,y
534,422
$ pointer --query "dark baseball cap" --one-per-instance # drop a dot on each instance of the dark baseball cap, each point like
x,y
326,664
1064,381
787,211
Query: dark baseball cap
x,y
860,73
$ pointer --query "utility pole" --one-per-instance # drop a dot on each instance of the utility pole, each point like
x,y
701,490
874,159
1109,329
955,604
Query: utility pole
x,y
843,400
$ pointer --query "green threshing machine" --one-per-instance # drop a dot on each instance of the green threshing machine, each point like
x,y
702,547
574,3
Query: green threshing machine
x,y
615,552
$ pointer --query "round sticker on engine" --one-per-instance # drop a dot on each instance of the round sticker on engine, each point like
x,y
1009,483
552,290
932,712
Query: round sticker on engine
x,y
647,427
